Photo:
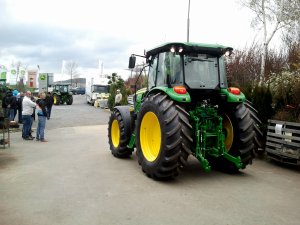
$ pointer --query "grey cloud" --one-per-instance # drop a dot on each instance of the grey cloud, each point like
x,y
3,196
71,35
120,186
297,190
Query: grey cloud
x,y
48,46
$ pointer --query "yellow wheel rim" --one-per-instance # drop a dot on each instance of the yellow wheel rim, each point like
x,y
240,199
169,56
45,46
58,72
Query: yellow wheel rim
x,y
150,136
115,133
229,134
54,99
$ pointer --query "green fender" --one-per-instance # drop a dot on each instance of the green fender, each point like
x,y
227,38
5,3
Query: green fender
x,y
140,94
172,94
233,97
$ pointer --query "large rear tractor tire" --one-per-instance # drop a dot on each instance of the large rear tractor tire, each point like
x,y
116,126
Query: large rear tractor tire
x,y
70,100
186,136
118,138
158,137
56,99
259,139
239,135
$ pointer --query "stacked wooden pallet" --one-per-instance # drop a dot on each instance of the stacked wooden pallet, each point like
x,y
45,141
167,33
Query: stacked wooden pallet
x,y
283,141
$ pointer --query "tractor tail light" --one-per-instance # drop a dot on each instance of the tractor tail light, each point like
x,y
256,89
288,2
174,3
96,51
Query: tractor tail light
x,y
179,90
235,91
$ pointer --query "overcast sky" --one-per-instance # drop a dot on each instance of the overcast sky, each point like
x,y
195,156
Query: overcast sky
x,y
45,32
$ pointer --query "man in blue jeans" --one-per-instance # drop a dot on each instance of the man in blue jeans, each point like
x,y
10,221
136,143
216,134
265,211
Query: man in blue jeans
x,y
27,111
42,116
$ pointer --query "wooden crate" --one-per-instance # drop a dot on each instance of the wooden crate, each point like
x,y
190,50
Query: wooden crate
x,y
283,141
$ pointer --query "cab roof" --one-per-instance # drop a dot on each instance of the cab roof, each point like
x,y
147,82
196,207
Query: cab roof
x,y
190,47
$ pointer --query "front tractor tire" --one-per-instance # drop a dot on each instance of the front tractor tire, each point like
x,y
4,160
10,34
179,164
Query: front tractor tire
x,y
117,136
56,99
158,137
239,136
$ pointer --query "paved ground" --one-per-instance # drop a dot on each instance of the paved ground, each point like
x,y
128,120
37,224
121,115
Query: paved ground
x,y
78,114
73,179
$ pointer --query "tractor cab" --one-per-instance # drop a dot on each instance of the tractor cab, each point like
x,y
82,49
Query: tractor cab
x,y
62,94
62,88
199,68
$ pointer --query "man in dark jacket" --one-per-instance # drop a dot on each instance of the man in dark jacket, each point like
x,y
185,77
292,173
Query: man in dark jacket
x,y
10,104
49,103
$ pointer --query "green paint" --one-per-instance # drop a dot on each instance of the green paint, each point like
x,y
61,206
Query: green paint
x,y
139,97
42,76
172,94
235,160
3,76
132,141
13,71
232,97
208,136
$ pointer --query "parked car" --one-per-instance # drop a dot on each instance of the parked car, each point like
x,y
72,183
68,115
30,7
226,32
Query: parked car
x,y
78,91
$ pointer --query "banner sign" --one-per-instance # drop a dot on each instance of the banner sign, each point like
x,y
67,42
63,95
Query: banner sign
x,y
3,72
22,73
43,81
13,76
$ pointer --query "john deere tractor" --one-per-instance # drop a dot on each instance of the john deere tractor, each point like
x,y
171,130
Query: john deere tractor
x,y
62,94
186,109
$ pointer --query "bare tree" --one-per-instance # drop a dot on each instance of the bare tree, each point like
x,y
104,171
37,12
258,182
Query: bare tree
x,y
293,35
71,68
271,16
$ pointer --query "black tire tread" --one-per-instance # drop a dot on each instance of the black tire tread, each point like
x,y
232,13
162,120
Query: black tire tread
x,y
186,136
167,163
246,134
70,100
121,151
259,140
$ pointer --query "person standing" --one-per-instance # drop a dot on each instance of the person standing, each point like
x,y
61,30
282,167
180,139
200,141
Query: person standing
x,y
4,106
11,105
28,107
42,115
118,97
49,103
15,94
20,97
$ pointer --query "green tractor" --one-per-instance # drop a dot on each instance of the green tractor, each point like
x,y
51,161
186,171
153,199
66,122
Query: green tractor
x,y
186,109
62,94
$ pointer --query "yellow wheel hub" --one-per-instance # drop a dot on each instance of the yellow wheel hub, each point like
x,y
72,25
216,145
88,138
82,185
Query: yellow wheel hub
x,y
229,134
150,136
54,99
115,133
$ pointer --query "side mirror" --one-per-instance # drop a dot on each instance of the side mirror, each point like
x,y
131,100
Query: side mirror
x,y
131,62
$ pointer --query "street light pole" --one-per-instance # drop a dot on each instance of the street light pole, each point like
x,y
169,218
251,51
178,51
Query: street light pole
x,y
188,22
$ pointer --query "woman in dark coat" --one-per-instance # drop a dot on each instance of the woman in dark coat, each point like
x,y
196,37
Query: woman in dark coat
x,y
49,103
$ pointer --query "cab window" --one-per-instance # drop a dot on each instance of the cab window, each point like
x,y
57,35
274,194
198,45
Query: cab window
x,y
152,73
169,64
163,69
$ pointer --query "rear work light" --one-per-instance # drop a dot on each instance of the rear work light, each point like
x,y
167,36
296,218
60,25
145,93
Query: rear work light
x,y
179,90
234,90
